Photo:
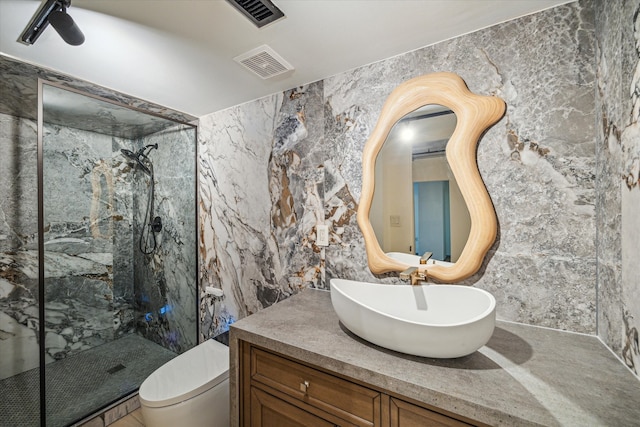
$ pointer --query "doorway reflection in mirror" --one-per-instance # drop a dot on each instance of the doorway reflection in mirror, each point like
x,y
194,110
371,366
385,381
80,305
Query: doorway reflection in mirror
x,y
417,205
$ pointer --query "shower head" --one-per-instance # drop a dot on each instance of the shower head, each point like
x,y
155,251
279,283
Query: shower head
x,y
130,154
53,12
138,159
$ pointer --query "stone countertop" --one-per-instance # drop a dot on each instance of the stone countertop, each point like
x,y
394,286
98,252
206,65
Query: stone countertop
x,y
524,376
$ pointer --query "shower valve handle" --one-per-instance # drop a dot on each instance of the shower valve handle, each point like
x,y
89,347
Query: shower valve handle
x,y
156,224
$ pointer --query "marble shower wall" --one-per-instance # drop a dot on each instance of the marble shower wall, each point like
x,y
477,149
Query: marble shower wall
x,y
273,168
165,281
98,285
84,191
84,303
618,183
19,349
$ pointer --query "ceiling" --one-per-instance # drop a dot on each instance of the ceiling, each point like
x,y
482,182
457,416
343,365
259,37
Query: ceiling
x,y
179,53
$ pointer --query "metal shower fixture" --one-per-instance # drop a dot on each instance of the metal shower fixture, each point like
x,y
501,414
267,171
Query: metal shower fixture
x,y
53,12
141,158
154,225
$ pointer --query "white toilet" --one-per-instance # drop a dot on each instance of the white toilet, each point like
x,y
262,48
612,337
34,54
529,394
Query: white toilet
x,y
191,390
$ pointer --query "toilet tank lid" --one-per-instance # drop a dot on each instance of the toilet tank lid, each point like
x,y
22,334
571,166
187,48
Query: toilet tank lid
x,y
187,375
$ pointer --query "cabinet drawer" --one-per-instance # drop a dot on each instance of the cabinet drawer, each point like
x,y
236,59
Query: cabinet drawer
x,y
342,398
404,414
269,411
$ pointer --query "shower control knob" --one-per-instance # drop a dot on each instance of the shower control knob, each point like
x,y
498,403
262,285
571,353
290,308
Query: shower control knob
x,y
156,225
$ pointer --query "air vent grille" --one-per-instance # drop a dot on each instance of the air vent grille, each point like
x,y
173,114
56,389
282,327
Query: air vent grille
x,y
264,62
260,12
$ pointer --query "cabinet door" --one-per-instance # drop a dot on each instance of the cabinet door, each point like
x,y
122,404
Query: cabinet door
x,y
405,414
269,411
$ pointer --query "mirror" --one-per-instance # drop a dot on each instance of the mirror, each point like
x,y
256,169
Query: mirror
x,y
448,118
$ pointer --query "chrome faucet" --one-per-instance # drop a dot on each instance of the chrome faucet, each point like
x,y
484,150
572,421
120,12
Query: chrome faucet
x,y
414,275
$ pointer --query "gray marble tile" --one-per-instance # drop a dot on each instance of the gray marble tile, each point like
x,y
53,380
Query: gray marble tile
x,y
165,280
261,197
630,200
236,245
618,155
18,192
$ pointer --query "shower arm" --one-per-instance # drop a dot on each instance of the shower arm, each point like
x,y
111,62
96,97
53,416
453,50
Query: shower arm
x,y
149,147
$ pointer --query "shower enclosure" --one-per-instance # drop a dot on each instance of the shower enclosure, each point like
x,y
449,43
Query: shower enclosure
x,y
98,260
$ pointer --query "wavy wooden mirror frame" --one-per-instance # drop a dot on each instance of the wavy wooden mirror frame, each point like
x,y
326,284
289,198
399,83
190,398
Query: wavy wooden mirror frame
x,y
475,114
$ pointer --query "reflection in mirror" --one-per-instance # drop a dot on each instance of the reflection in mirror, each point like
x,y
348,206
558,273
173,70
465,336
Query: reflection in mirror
x,y
417,205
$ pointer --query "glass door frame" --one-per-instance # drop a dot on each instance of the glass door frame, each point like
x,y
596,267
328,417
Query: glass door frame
x,y
41,225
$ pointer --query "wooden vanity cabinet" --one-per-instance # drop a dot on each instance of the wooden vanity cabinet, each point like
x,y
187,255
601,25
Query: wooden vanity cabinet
x,y
277,391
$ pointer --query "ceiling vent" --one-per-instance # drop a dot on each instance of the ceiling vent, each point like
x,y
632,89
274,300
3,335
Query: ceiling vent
x,y
260,12
264,62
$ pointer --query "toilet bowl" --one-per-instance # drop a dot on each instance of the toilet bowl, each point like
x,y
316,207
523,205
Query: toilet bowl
x,y
191,390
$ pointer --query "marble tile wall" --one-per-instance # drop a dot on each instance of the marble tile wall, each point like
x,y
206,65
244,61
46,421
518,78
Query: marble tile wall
x,y
165,280
18,225
99,285
261,196
269,172
84,191
83,308
618,177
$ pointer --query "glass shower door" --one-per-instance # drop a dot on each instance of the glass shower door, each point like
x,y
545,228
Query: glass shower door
x,y
104,331
78,209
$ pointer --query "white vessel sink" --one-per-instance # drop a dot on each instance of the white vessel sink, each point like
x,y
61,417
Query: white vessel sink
x,y
414,260
441,321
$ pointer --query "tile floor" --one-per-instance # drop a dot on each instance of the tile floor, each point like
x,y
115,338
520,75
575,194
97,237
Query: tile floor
x,y
80,384
133,419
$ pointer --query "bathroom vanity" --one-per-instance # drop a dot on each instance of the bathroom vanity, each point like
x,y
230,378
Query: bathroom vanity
x,y
294,364
279,391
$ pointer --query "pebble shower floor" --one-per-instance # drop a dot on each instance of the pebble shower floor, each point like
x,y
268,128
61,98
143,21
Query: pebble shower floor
x,y
77,385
